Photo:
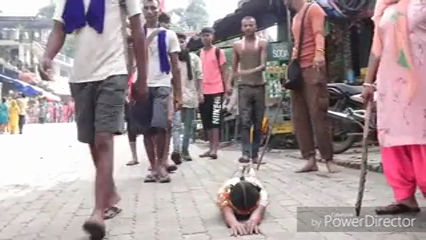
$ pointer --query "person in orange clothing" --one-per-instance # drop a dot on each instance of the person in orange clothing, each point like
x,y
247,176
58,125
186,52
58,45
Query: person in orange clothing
x,y
311,102
14,112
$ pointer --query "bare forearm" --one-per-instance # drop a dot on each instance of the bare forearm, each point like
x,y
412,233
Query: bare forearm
x,y
228,217
139,53
373,67
55,41
257,215
176,81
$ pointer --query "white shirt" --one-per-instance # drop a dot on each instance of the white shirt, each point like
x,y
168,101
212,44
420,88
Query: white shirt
x,y
99,56
156,78
189,87
22,103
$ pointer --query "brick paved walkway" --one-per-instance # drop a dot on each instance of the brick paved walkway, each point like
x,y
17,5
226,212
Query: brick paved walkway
x,y
46,193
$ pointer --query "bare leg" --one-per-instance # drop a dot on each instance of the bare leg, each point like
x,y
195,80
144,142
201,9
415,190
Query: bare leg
x,y
209,138
150,151
133,150
103,155
170,165
160,142
214,142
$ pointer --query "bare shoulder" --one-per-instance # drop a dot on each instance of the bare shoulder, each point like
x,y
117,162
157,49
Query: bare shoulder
x,y
263,42
237,45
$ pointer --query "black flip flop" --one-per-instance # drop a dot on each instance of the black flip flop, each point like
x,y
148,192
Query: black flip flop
x,y
164,179
112,212
213,156
244,160
150,178
171,168
176,158
95,230
132,163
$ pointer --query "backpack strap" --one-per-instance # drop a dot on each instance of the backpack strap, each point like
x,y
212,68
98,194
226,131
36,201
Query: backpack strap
x,y
217,52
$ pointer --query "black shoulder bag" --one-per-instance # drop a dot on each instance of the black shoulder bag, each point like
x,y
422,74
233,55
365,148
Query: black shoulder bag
x,y
294,70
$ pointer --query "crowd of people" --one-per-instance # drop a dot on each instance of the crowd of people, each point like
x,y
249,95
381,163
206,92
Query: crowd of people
x,y
168,85
18,110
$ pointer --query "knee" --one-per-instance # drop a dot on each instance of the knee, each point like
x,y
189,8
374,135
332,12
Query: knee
x,y
103,141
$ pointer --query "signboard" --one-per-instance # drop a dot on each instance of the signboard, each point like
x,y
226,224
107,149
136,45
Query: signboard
x,y
278,52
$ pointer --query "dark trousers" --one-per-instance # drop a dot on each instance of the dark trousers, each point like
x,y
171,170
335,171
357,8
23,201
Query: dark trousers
x,y
251,107
309,112
21,123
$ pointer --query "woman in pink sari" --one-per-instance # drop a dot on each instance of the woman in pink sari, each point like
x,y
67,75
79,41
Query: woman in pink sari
x,y
398,67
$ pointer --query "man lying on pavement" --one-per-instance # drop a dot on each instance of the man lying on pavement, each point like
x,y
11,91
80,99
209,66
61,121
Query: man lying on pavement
x,y
242,201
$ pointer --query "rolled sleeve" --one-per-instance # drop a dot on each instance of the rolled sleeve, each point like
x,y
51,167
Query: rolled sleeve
x,y
198,71
134,7
173,43
59,10
264,198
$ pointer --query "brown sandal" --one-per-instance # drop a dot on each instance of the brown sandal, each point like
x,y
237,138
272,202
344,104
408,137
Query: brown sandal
x,y
397,208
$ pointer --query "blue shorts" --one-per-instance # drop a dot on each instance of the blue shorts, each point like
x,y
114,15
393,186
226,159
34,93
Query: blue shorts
x,y
151,115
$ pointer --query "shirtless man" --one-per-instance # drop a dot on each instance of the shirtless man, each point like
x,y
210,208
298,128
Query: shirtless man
x,y
248,63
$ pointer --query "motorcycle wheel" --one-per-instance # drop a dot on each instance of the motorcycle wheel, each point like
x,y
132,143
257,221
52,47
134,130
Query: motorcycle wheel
x,y
341,140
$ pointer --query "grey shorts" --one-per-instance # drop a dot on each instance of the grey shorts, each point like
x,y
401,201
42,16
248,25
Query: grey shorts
x,y
99,106
146,117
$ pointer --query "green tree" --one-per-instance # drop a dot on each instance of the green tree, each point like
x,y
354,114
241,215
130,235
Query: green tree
x,y
193,17
47,11
69,45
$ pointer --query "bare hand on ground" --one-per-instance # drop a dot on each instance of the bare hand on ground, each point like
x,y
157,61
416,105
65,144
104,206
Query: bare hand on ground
x,y
252,227
238,229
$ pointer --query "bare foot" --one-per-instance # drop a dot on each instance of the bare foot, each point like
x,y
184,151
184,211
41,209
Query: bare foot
x,y
311,166
332,167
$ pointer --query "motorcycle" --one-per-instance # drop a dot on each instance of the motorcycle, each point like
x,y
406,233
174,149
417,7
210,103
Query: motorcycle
x,y
347,116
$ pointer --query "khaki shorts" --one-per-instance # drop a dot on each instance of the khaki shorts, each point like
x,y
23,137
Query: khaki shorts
x,y
99,106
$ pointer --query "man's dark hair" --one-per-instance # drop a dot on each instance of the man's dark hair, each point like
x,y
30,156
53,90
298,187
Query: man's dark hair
x,y
150,1
23,95
248,18
207,30
181,36
164,18
3,100
244,195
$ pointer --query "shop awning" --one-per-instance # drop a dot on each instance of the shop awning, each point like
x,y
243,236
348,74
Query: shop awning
x,y
51,97
27,89
266,12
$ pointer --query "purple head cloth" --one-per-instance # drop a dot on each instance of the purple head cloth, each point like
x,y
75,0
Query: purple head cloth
x,y
75,16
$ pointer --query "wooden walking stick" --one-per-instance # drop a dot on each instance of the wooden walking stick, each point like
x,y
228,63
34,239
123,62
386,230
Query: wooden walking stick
x,y
270,127
364,160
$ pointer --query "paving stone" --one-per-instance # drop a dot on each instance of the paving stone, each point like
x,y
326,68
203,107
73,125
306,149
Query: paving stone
x,y
51,197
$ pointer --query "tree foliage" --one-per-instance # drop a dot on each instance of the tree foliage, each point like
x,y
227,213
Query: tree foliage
x,y
192,18
47,11
69,46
